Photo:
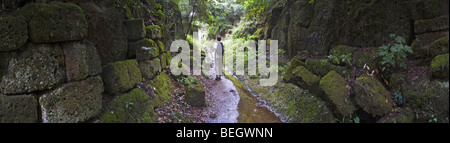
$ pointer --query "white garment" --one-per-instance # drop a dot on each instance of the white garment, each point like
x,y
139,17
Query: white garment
x,y
218,58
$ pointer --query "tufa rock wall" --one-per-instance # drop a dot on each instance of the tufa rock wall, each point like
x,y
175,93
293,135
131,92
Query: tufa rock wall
x,y
69,61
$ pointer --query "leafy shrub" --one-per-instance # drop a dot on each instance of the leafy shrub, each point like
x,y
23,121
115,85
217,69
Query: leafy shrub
x,y
342,59
188,80
394,53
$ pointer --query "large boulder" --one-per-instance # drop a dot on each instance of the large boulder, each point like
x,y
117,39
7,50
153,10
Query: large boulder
x,y
323,67
401,116
440,67
164,89
429,45
135,29
13,32
39,67
153,32
55,22
298,105
81,60
132,107
304,78
335,88
106,31
431,25
121,76
146,49
368,58
195,95
287,76
150,68
427,98
372,96
73,102
18,109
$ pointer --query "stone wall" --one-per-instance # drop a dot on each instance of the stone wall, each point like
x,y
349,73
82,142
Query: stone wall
x,y
76,61
316,27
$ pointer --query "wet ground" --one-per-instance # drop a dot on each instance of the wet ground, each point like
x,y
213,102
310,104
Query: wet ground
x,y
231,103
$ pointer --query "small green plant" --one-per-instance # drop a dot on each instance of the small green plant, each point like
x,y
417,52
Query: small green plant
x,y
398,98
334,59
341,59
129,105
394,53
188,80
355,120
432,119
324,62
311,1
281,52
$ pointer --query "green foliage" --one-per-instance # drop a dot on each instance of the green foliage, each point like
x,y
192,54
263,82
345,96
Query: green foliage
x,y
356,119
311,2
188,80
394,53
129,105
398,98
432,119
256,8
281,52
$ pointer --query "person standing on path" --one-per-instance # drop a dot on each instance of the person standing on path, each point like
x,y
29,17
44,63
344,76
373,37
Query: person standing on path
x,y
219,58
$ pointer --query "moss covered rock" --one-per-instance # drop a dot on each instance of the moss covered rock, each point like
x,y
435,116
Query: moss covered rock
x,y
431,25
135,29
298,105
161,46
402,116
397,81
132,107
106,31
146,49
81,60
195,95
150,68
55,22
39,67
13,32
372,96
440,46
121,76
428,46
292,65
304,78
73,102
18,109
366,58
427,98
334,87
323,67
440,67
154,32
164,89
